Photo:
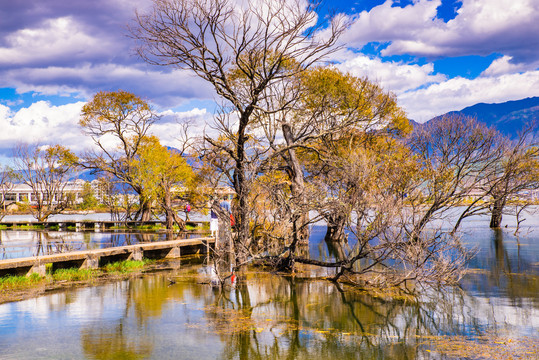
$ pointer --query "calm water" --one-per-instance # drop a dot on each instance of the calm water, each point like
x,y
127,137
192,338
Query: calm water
x,y
19,243
272,317
24,243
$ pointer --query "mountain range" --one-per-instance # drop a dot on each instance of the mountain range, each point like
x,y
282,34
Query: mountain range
x,y
509,117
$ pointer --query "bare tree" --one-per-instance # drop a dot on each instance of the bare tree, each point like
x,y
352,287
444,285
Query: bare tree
x,y
7,181
46,170
370,183
243,52
458,157
516,172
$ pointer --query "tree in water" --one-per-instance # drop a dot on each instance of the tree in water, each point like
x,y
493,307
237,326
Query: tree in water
x,y
316,107
458,158
516,172
218,40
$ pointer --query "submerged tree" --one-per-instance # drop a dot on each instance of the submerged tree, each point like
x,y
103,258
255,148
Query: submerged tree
x,y
516,172
367,191
458,157
317,109
46,170
220,40
117,122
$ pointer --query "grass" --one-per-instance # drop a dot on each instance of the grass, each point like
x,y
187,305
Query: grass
x,y
74,274
13,283
149,227
28,227
188,227
19,282
127,266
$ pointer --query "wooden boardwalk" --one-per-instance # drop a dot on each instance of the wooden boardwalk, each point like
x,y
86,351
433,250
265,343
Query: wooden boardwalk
x,y
91,259
93,224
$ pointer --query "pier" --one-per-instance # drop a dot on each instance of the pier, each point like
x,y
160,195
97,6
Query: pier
x,y
92,259
93,224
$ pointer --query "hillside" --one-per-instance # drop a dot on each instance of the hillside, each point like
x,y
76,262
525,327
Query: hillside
x,y
508,117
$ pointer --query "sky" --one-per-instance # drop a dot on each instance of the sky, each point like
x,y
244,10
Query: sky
x,y
434,55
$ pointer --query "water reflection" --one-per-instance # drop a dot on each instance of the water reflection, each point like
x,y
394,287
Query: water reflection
x,y
264,317
273,317
25,243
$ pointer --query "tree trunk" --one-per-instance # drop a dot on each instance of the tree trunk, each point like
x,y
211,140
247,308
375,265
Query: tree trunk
x,y
145,210
497,212
335,228
241,211
295,173
167,206
224,246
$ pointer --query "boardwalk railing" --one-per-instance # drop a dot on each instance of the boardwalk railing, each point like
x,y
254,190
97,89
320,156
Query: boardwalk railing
x,y
91,259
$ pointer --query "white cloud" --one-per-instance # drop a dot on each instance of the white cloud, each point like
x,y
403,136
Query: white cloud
x,y
386,23
169,130
394,76
481,27
457,93
42,123
504,65
58,39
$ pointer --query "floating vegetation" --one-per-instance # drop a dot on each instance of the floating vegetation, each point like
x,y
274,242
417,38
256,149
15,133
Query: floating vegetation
x,y
487,346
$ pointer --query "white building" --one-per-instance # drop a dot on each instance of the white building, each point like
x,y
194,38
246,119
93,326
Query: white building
x,y
24,193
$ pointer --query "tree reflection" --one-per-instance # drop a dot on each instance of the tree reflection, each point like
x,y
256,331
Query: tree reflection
x,y
130,337
293,318
113,342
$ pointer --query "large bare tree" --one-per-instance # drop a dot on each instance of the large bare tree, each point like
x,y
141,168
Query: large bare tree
x,y
244,50
458,158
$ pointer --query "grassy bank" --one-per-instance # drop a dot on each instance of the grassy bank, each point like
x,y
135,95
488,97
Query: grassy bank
x,y
21,283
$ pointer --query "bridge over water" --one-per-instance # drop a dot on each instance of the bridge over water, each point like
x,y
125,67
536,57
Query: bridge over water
x,y
90,259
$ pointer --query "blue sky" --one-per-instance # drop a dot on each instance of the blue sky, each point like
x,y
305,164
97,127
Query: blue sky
x,y
435,55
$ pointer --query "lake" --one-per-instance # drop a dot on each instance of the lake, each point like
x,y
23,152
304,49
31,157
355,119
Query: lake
x,y
175,314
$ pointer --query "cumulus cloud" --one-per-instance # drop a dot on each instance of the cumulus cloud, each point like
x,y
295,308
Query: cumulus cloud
x,y
481,27
42,123
77,48
457,93
397,77
504,65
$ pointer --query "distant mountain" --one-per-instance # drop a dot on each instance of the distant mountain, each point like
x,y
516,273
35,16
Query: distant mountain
x,y
508,118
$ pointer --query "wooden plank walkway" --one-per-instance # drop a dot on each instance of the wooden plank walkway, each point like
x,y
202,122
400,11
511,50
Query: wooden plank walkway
x,y
90,259
93,224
